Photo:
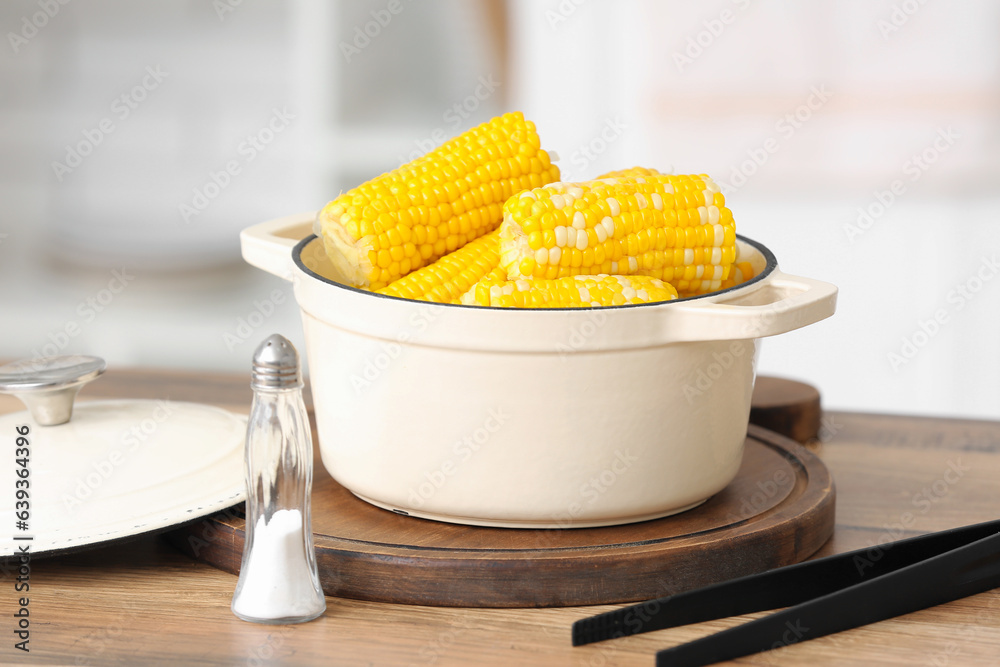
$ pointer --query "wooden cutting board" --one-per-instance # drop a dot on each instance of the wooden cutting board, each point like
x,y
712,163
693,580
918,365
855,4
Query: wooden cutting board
x,y
779,510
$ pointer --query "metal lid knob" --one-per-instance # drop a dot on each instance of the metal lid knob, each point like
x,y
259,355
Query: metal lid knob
x,y
48,385
275,365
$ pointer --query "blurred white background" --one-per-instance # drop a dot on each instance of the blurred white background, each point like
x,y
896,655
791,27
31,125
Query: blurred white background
x,y
859,140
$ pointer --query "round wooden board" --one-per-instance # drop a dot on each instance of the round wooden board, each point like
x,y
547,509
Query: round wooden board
x,y
779,510
787,407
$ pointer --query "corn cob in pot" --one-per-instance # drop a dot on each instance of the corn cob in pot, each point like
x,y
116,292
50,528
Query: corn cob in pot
x,y
675,228
411,216
580,291
447,279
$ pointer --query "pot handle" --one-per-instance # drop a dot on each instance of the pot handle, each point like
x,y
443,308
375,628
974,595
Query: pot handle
x,y
784,303
268,245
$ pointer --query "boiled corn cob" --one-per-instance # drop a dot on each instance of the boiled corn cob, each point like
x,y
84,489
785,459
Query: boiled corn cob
x,y
676,228
573,292
739,274
740,271
631,172
412,215
447,279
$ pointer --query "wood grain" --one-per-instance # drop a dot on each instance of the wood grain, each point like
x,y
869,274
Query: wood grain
x,y
787,407
144,603
779,510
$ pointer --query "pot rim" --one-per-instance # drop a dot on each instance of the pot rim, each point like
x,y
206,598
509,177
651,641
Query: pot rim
x,y
772,302
771,264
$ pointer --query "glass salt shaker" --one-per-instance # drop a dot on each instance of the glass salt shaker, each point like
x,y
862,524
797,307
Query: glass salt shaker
x,y
279,582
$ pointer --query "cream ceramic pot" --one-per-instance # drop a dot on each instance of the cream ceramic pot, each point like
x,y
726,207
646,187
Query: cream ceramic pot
x,y
531,418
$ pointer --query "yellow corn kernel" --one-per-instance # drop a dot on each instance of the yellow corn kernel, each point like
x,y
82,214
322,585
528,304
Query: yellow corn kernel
x,y
572,292
631,172
644,222
447,279
440,201
740,273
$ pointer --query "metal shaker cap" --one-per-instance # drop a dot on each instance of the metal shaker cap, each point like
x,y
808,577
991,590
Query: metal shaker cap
x,y
275,365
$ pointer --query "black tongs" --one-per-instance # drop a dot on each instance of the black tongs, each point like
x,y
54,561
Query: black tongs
x,y
823,596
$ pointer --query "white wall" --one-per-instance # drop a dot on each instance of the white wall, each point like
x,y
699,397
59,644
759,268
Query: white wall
x,y
608,86
223,77
880,94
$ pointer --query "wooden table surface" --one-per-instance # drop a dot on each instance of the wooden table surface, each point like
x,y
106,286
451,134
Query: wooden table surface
x,y
142,602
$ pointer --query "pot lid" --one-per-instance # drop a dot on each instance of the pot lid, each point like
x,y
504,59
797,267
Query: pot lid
x,y
118,468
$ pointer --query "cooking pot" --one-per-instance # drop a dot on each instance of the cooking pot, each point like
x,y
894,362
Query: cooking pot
x,y
547,418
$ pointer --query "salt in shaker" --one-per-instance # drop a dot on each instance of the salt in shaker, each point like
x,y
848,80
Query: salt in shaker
x,y
278,580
